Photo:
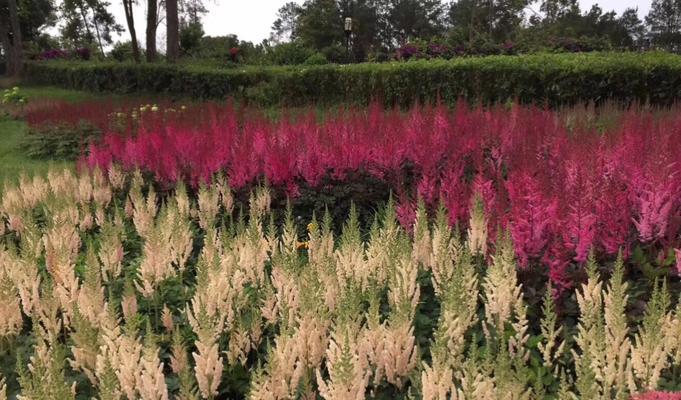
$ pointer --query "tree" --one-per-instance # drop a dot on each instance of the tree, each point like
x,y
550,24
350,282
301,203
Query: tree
x,y
412,19
34,17
633,25
557,9
173,31
191,11
129,5
320,24
664,22
152,25
10,30
88,22
489,20
284,27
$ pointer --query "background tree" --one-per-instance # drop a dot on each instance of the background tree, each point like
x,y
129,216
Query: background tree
x,y
284,27
411,19
664,22
173,31
10,32
152,26
320,24
88,23
128,6
555,10
633,26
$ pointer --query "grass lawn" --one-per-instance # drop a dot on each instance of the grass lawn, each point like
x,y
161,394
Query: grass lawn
x,y
13,161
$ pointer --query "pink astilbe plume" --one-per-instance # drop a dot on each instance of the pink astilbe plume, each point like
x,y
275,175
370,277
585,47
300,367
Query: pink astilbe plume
x,y
532,217
658,396
560,191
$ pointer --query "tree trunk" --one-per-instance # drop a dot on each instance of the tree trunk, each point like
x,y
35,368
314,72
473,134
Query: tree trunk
x,y
17,55
130,19
7,47
173,34
99,35
152,24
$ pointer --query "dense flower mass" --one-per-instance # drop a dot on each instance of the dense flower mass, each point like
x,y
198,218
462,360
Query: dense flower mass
x,y
111,290
562,189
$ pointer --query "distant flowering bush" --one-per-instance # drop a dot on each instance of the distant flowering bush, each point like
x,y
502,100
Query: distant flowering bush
x,y
81,53
234,54
407,52
562,192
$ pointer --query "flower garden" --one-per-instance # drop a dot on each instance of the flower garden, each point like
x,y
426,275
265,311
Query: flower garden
x,y
216,250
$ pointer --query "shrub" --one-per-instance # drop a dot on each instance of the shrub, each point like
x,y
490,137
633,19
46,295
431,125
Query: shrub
x,y
291,53
546,79
316,59
60,141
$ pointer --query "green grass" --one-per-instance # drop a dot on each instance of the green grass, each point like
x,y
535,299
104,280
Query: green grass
x,y
14,161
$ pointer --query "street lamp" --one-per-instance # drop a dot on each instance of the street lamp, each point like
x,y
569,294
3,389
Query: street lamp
x,y
348,33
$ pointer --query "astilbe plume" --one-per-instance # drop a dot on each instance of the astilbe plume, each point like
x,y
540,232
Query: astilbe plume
x,y
560,190
331,317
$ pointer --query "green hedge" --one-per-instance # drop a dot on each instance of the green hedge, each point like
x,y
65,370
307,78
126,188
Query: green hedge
x,y
551,79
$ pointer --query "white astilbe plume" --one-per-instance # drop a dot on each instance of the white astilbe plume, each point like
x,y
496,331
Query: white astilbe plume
x,y
443,251
501,288
617,371
477,232
3,389
347,366
654,342
209,205
11,320
152,384
62,243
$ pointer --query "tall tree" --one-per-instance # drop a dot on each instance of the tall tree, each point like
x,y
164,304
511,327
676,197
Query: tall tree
x,y
152,26
173,31
557,9
320,24
88,22
632,25
10,32
284,27
412,19
664,22
129,5
491,20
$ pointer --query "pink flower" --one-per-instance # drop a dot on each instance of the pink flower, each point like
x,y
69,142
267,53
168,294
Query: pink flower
x,y
657,396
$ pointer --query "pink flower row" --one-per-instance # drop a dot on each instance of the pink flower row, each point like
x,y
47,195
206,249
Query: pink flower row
x,y
560,191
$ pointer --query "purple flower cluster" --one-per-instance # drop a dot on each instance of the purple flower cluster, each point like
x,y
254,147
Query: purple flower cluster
x,y
82,53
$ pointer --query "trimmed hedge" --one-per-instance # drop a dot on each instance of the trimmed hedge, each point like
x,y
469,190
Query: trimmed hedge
x,y
553,79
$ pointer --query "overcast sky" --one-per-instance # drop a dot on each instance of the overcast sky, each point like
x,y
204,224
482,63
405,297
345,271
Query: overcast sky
x,y
251,19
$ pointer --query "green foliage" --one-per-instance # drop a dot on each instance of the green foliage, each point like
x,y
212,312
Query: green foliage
x,y
122,51
14,96
190,36
292,53
59,142
552,79
316,59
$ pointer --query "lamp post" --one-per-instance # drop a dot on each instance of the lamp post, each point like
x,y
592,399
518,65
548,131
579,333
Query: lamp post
x,y
348,33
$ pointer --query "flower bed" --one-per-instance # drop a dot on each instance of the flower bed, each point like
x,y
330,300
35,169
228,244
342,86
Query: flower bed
x,y
561,190
107,292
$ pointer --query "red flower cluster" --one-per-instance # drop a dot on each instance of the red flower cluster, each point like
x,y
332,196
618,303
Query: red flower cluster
x,y
560,191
